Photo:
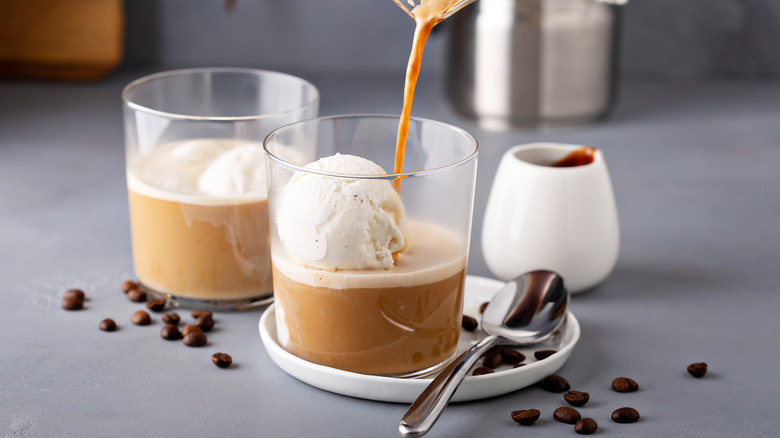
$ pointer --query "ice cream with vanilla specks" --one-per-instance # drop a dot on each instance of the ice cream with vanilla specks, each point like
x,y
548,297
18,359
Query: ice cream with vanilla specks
x,y
341,223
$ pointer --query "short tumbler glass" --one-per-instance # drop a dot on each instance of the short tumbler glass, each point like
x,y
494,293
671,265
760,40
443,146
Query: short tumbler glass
x,y
403,319
196,180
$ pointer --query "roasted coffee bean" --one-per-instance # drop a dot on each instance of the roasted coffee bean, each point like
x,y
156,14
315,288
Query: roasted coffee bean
x,y
140,317
511,356
157,305
482,307
468,323
170,318
72,304
624,384
222,360
586,426
107,325
567,415
543,354
576,398
205,322
170,332
136,295
198,313
493,360
519,365
698,369
195,339
478,371
526,417
77,294
190,328
625,415
128,285
555,383
492,350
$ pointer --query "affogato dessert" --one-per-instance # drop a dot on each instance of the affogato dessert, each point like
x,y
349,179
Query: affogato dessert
x,y
199,220
358,286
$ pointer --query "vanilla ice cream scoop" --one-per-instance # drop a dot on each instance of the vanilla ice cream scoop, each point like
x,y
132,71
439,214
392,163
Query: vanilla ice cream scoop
x,y
210,168
240,171
341,223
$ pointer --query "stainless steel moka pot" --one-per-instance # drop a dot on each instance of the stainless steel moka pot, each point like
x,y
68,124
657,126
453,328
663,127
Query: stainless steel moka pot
x,y
533,63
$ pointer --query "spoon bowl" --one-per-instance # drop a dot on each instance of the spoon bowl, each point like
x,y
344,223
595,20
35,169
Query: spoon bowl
x,y
528,309
525,311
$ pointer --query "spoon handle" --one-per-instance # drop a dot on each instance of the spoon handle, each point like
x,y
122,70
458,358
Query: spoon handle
x,y
424,412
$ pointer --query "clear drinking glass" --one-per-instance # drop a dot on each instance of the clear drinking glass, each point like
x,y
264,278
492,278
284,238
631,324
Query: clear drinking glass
x,y
398,319
196,180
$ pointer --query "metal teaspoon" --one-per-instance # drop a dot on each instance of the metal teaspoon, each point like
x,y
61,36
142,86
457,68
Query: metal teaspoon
x,y
525,311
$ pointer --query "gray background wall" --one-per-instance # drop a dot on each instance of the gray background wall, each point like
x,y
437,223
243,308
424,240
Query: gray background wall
x,y
683,39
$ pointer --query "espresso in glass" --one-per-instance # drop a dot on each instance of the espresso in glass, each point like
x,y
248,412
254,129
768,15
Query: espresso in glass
x,y
398,320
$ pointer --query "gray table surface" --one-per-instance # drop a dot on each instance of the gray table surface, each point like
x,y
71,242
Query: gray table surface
x,y
694,167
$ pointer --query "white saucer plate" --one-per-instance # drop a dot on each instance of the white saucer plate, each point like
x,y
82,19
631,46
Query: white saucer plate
x,y
406,390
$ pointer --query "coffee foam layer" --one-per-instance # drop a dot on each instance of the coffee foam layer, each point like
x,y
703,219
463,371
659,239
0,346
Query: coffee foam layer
x,y
434,255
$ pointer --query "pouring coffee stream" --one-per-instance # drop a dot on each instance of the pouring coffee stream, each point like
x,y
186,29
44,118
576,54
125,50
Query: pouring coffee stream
x,y
525,311
426,14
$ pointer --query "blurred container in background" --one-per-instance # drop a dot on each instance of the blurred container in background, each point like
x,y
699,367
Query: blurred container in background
x,y
60,39
534,63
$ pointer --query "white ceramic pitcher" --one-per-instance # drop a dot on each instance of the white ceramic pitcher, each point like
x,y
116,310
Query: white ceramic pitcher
x,y
562,219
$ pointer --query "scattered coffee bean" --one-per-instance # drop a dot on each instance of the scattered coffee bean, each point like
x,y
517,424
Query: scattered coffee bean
x,y
468,323
156,305
107,325
543,354
129,285
140,317
478,371
576,398
625,415
519,365
136,295
624,384
72,304
190,328
198,313
492,350
222,360
511,356
482,307
170,332
493,360
526,417
698,369
567,415
586,426
77,294
195,339
555,383
205,322
170,318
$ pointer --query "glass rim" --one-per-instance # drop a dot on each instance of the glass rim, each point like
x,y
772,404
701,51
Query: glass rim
x,y
188,71
389,176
